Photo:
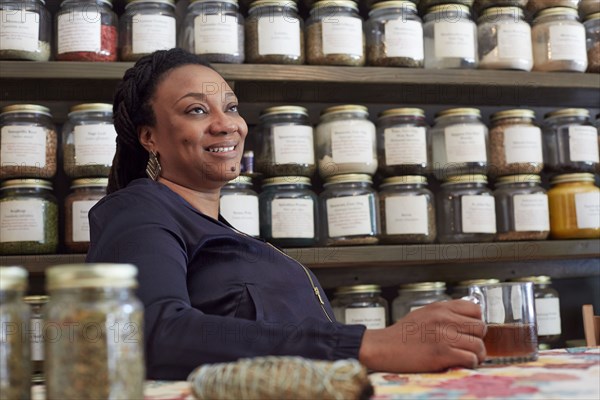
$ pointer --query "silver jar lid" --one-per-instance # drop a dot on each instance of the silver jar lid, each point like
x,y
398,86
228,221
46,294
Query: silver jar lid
x,y
404,180
520,178
265,3
459,112
25,108
26,184
578,177
281,110
384,5
473,178
568,112
91,107
470,282
555,11
423,286
515,113
348,108
335,3
286,180
89,182
402,112
170,3
348,178
233,2
491,14
356,289
72,276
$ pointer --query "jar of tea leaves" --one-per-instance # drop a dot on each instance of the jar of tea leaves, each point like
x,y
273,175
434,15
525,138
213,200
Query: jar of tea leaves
x,y
85,193
360,304
239,205
26,30
592,34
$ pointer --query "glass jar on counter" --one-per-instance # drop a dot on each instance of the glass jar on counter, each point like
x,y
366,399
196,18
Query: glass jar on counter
x,y
89,141
28,217
346,142
466,210
36,336
461,289
521,208
289,212
334,34
558,40
146,26
360,304
413,296
28,142
574,203
85,193
349,211
459,143
402,142
86,30
98,348
592,37
570,141
239,205
286,145
394,35
407,210
26,30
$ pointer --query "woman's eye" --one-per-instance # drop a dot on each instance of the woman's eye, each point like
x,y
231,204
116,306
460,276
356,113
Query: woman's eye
x,y
197,110
233,108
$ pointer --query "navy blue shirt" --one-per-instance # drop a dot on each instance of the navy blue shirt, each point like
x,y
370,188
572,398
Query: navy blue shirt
x,y
211,294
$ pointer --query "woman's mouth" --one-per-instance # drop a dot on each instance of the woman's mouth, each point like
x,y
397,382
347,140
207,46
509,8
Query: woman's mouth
x,y
221,149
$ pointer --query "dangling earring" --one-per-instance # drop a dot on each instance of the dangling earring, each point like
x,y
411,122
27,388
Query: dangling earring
x,y
153,167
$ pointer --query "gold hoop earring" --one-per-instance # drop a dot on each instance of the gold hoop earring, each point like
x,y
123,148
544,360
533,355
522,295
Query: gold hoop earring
x,y
153,168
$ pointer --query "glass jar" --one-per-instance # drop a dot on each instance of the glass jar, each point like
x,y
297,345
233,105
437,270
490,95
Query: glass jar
x,y
360,304
558,40
346,142
459,143
570,141
86,30
349,211
515,143
274,33
36,336
239,205
28,217
334,34
413,296
85,193
28,142
286,145
146,26
574,203
450,37
521,208
289,212
481,5
394,34
535,6
407,210
97,351
89,141
504,39
466,210
461,289
592,37
402,142
26,30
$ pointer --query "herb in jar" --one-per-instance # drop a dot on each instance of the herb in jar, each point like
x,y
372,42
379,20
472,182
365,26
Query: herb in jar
x,y
41,54
8,171
26,30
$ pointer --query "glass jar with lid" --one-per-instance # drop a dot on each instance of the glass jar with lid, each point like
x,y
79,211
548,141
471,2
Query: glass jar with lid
x,y
28,217
28,143
402,142
346,142
574,203
289,212
36,337
360,304
412,296
466,210
239,205
425,5
535,6
86,30
26,30
334,34
89,141
286,145
587,7
146,26
459,143
592,37
98,351
558,40
394,34
481,5
461,289
570,141
407,210
349,211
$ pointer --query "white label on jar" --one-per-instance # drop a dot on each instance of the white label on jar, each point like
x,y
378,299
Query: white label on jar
x,y
371,317
454,40
241,211
531,212
23,145
523,144
587,208
20,30
547,312
567,42
79,31
405,145
22,221
350,215
403,39
94,144
292,218
495,313
81,225
478,214
514,41
342,35
352,142
465,143
152,32
216,34
406,215
278,35
583,143
37,339
293,144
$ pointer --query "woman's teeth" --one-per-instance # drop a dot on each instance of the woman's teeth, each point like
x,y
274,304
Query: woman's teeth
x,y
221,149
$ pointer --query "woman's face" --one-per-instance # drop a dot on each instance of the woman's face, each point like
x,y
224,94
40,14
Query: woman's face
x,y
198,135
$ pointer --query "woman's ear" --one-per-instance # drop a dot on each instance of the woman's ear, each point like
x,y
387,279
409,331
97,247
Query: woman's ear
x,y
146,138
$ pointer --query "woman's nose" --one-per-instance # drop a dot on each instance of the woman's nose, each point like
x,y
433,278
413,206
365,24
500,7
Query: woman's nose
x,y
222,123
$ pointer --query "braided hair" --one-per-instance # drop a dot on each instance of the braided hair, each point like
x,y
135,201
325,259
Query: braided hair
x,y
132,109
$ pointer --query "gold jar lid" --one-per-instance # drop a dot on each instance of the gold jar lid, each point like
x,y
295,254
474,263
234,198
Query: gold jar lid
x,y
579,177
33,300
568,112
286,180
521,178
402,112
170,3
590,17
384,5
474,178
234,2
516,113
469,282
537,280
334,3
13,278
403,180
25,108
91,107
26,184
459,112
449,7
264,3
278,110
348,108
348,178
358,289
89,182
555,11
72,276
494,12
423,286
241,179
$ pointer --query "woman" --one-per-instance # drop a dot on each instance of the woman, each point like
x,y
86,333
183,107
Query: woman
x,y
211,293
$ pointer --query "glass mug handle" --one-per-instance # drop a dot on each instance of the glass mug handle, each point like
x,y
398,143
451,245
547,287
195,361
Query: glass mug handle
x,y
476,296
